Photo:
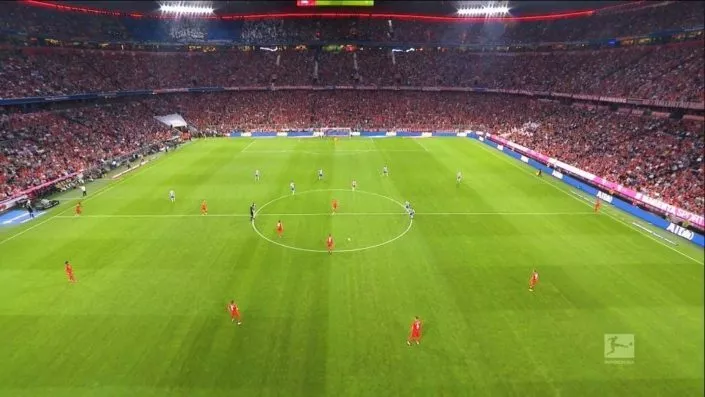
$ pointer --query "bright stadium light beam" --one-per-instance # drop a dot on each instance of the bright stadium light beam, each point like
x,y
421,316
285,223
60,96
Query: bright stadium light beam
x,y
486,10
185,8
483,11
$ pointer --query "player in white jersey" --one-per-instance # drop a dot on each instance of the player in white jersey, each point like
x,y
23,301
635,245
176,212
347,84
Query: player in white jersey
x,y
458,178
354,185
411,213
385,171
256,175
407,206
320,174
172,196
292,187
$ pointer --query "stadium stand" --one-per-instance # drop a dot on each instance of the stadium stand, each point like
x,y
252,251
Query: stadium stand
x,y
669,72
40,147
662,157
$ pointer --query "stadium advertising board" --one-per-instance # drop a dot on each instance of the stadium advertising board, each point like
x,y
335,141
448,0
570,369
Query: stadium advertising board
x,y
12,201
681,231
7,204
688,216
604,197
617,202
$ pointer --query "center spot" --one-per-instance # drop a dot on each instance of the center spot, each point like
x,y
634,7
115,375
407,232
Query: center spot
x,y
363,220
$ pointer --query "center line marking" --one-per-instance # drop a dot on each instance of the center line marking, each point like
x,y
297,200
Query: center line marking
x,y
326,214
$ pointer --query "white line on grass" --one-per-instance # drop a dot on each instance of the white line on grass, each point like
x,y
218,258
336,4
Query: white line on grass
x,y
98,192
411,222
513,163
328,214
332,152
248,145
420,144
505,213
58,214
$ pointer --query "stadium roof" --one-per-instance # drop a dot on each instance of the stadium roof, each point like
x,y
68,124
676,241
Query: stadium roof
x,y
434,8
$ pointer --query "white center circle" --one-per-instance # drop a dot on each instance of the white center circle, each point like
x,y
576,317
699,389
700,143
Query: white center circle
x,y
391,240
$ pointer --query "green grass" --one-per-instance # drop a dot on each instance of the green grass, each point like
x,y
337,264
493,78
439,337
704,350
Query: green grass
x,y
147,316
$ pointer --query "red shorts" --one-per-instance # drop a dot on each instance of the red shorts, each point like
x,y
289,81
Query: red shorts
x,y
415,335
280,231
235,314
330,246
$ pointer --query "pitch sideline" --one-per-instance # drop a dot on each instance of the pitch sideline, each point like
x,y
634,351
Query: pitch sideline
x,y
510,161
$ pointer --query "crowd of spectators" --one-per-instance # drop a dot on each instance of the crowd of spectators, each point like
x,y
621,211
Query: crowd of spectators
x,y
642,18
658,156
40,147
16,16
667,72
661,157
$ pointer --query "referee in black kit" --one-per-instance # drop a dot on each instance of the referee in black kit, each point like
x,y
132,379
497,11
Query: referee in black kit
x,y
253,209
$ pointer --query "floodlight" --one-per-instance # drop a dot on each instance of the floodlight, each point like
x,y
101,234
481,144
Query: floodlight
x,y
484,11
185,8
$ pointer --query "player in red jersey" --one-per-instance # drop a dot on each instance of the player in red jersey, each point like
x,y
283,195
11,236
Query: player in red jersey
x,y
78,209
69,272
330,244
335,205
280,228
533,280
415,335
234,313
204,208
598,204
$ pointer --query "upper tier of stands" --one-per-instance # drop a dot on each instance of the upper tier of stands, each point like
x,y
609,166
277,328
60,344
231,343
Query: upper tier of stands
x,y
641,18
670,72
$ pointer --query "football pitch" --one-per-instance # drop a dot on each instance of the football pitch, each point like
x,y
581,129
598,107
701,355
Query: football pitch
x,y
148,316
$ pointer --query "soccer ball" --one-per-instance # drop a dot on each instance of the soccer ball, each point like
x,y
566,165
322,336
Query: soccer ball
x,y
349,239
